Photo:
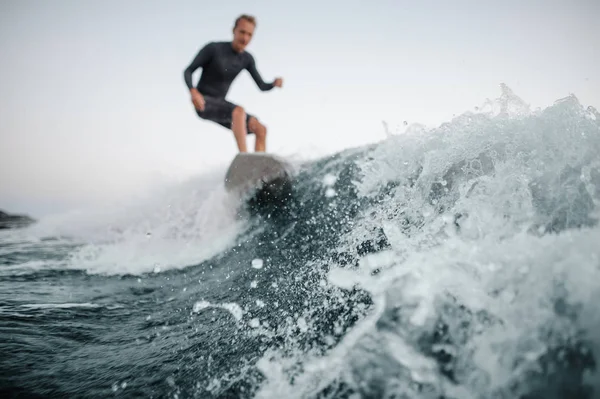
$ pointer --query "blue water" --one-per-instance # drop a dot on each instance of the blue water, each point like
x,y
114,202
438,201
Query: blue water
x,y
461,261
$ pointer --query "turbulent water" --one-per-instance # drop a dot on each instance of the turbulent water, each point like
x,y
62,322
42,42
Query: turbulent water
x,y
461,261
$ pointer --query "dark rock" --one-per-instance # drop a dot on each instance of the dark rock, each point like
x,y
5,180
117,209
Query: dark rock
x,y
8,221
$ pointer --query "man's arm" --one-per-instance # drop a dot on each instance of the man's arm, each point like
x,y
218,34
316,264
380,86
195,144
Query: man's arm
x,y
256,76
203,56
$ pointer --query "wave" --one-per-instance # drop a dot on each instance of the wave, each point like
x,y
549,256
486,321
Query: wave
x,y
486,276
456,261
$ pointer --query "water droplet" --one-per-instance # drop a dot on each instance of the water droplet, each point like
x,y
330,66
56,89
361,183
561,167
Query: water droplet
x,y
302,325
329,180
254,323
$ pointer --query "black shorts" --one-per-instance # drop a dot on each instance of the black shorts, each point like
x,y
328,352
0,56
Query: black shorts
x,y
220,111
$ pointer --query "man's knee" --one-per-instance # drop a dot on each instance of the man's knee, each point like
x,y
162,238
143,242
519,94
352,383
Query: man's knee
x,y
257,128
238,113
261,130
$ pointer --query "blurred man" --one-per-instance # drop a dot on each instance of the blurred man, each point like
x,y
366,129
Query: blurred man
x,y
221,62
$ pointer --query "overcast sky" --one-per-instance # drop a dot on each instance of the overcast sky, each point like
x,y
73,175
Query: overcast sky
x,y
93,105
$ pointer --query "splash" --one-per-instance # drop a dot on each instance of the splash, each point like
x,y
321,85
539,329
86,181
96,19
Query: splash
x,y
176,227
488,283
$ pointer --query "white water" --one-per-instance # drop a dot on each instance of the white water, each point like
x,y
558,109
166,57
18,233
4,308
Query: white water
x,y
515,242
174,227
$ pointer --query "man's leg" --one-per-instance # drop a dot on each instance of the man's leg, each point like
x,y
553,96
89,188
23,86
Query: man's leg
x,y
260,131
238,126
228,115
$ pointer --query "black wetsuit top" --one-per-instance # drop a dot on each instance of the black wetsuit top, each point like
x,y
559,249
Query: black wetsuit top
x,y
220,66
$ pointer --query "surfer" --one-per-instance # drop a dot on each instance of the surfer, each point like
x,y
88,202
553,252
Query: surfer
x,y
221,62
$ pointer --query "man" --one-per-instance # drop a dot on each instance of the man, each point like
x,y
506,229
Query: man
x,y
221,62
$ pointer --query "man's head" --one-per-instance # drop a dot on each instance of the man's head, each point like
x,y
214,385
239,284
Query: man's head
x,y
243,31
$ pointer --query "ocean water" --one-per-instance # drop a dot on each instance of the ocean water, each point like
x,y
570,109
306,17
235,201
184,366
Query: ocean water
x,y
461,261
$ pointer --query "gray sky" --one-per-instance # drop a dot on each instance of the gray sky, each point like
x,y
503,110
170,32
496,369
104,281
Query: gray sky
x,y
93,105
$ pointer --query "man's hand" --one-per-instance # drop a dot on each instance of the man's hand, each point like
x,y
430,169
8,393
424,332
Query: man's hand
x,y
197,99
278,82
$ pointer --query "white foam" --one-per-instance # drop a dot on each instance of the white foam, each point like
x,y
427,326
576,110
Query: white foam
x,y
180,226
233,308
489,251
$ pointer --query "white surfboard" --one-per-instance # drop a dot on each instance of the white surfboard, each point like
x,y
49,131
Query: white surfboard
x,y
251,170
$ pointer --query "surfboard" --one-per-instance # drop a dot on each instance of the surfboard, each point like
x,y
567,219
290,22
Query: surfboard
x,y
252,170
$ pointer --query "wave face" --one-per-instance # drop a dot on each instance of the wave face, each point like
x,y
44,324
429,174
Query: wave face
x,y
459,262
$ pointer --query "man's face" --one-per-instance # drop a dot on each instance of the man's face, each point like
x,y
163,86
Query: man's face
x,y
242,34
